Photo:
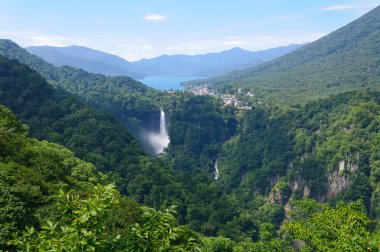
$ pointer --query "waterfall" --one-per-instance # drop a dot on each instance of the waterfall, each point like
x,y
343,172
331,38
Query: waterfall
x,y
216,170
163,123
159,141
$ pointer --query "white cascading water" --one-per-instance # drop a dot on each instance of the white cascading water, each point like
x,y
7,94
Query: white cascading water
x,y
216,171
163,124
159,141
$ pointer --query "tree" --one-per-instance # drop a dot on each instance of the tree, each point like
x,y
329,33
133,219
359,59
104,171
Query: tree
x,y
158,232
81,228
343,228
218,244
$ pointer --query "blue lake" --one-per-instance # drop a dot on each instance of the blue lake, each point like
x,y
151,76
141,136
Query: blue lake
x,y
167,82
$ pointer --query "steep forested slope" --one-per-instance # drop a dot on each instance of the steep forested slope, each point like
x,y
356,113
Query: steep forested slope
x,y
51,200
327,150
121,95
347,59
66,206
30,171
95,136
199,126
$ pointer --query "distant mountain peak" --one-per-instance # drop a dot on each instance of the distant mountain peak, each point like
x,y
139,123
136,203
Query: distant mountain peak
x,y
236,49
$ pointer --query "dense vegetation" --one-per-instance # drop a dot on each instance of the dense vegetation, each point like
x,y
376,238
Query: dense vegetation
x,y
66,204
124,97
93,135
265,156
96,137
199,126
327,150
62,203
342,61
275,165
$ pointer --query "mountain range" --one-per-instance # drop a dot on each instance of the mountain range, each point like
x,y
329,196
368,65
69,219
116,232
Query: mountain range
x,y
204,65
210,64
344,60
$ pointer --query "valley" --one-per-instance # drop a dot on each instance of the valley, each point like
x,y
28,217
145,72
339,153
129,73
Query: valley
x,y
272,150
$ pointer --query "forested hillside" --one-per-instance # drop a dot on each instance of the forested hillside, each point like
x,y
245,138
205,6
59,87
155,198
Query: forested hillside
x,y
52,200
327,150
66,204
345,60
255,151
123,96
97,137
199,127
94,136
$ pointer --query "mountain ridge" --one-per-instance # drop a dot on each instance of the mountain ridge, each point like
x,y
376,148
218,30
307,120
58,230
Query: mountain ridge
x,y
88,59
208,64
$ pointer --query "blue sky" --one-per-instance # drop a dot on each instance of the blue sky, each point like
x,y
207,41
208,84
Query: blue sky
x,y
135,29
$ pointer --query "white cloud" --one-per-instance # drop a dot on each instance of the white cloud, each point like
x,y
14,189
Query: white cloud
x,y
338,7
128,48
192,46
146,47
343,7
27,38
154,17
234,42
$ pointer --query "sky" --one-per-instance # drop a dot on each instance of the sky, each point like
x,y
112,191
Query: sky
x,y
135,29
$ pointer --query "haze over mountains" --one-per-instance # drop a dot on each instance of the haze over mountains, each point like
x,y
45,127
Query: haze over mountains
x,y
204,65
87,59
347,59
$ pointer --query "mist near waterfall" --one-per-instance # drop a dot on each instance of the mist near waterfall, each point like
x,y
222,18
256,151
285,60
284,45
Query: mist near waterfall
x,y
159,140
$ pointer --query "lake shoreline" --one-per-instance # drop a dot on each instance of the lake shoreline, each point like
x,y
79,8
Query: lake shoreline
x,y
167,82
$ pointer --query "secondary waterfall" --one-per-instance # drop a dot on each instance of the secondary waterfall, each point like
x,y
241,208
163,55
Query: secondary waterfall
x,y
159,141
216,171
